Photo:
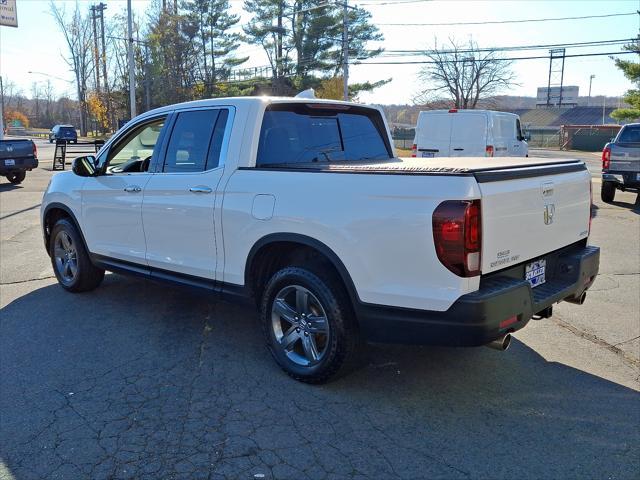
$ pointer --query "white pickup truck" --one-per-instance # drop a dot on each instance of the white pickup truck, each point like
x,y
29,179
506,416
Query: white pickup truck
x,y
302,205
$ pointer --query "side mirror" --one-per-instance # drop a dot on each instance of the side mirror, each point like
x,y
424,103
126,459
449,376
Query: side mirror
x,y
84,166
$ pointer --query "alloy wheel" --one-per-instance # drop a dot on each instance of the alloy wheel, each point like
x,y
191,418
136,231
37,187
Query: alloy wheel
x,y
300,325
66,257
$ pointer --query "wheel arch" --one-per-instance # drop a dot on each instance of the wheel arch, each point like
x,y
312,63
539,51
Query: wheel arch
x,y
290,242
54,212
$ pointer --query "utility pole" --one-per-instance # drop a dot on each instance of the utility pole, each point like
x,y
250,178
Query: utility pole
x,y
101,8
604,99
345,49
589,97
132,78
1,110
96,61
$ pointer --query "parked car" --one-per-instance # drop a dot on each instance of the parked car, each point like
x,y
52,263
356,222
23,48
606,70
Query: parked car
x,y
469,133
63,132
302,205
621,163
16,158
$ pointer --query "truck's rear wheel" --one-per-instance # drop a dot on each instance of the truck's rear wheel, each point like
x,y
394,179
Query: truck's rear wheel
x,y
16,177
308,324
608,192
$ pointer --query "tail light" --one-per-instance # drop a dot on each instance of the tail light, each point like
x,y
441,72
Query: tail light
x,y
590,204
606,158
35,149
488,152
457,235
414,150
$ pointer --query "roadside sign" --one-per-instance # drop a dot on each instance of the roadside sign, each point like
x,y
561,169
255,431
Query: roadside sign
x,y
8,13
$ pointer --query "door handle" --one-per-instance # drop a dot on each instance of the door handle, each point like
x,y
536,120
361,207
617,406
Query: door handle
x,y
132,188
458,149
200,189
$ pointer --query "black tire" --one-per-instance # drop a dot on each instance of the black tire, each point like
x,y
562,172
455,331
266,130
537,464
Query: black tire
x,y
87,276
50,140
17,177
340,343
608,192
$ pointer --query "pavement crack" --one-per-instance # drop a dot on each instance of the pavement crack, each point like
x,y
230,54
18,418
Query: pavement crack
x,y
598,341
627,341
28,280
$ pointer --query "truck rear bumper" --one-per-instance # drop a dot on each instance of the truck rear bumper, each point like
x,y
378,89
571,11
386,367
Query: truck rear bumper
x,y
20,164
504,303
623,180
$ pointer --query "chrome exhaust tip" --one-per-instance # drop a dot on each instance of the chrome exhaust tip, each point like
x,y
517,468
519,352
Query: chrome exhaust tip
x,y
501,343
579,300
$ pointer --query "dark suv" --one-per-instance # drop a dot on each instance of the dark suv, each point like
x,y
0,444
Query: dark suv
x,y
63,132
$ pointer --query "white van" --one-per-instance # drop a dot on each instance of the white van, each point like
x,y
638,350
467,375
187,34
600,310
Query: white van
x,y
469,133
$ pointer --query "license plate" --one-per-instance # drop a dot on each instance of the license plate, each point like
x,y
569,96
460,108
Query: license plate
x,y
9,163
428,154
534,273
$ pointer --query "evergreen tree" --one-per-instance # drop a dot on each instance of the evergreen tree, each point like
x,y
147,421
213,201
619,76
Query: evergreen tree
x,y
631,70
215,44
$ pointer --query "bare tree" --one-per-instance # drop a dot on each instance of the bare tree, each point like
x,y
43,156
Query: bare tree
x,y
78,35
463,73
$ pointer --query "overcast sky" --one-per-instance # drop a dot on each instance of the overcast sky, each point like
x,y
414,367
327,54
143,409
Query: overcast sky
x,y
37,45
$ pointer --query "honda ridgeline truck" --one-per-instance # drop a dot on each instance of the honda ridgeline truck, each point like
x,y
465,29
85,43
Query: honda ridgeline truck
x,y
302,205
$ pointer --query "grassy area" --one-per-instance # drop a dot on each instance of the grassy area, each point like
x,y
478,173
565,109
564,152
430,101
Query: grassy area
x,y
403,152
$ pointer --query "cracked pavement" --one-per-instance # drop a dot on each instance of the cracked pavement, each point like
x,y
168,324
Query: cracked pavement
x,y
145,381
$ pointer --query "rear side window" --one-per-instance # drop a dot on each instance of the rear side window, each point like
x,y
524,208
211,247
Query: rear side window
x,y
196,141
301,133
630,134
504,127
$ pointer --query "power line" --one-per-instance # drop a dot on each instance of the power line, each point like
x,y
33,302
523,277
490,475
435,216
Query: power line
x,y
388,2
598,43
494,22
546,57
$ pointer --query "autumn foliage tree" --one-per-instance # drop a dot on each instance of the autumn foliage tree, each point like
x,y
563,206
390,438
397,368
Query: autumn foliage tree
x,y
15,118
98,110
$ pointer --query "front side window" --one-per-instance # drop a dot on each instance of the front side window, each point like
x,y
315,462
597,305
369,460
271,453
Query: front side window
x,y
196,141
133,153
301,133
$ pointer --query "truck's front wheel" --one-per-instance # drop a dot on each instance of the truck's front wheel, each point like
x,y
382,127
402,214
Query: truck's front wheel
x,y
17,177
608,191
308,324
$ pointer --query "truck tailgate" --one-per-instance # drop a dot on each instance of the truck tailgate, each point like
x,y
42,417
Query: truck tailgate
x,y
625,157
16,149
530,211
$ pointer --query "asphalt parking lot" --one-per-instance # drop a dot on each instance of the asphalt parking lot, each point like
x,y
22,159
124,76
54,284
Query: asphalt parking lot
x,y
140,380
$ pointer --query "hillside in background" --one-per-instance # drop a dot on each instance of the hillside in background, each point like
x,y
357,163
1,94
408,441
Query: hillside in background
x,y
408,114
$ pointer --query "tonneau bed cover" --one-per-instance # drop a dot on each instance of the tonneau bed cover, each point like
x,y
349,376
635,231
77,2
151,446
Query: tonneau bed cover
x,y
480,167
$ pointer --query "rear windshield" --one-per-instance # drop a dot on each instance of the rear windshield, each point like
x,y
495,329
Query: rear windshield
x,y
304,133
630,134
67,130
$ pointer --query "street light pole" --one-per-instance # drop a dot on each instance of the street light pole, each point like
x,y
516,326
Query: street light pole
x,y
589,97
132,78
